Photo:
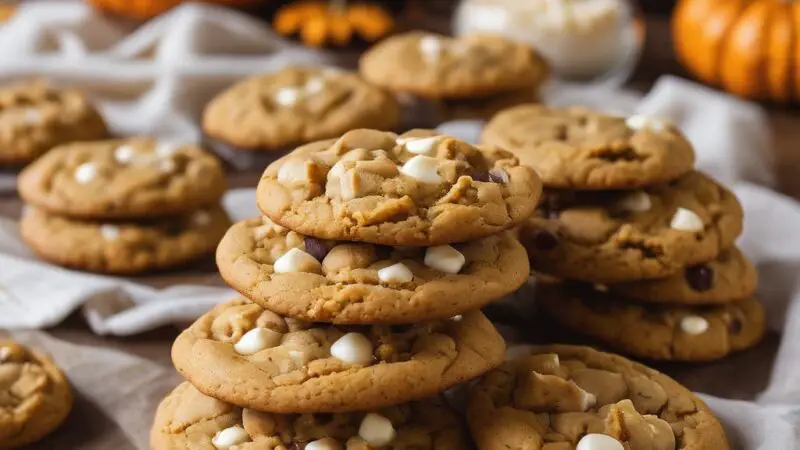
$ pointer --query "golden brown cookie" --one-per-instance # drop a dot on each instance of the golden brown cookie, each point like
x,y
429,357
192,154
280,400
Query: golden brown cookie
x,y
728,278
246,355
123,179
561,397
189,420
35,397
659,332
620,236
436,66
357,283
418,189
577,148
297,105
35,117
124,247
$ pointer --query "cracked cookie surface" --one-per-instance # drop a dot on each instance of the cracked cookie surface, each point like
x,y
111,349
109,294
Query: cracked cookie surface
x,y
576,148
418,189
658,332
295,106
35,117
619,236
728,278
189,420
35,396
118,179
312,367
553,397
436,66
346,282
124,247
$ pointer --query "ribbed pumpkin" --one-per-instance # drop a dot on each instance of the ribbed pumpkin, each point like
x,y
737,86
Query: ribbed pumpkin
x,y
146,9
748,47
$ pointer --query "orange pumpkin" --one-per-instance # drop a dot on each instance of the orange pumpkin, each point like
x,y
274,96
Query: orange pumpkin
x,y
748,47
146,9
326,22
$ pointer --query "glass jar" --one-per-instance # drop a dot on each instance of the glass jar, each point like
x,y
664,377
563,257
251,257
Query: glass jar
x,y
586,42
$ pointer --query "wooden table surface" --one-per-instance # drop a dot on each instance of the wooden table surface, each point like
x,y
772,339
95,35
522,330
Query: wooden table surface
x,y
752,367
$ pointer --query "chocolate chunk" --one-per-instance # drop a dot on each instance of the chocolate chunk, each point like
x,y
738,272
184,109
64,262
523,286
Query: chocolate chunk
x,y
544,240
482,176
316,248
700,278
493,176
735,326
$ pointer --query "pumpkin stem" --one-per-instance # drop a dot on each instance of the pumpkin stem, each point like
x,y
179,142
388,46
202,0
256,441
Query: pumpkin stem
x,y
338,6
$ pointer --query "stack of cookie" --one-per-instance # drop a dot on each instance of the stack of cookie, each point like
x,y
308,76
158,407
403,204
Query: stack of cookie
x,y
644,242
123,206
469,77
362,286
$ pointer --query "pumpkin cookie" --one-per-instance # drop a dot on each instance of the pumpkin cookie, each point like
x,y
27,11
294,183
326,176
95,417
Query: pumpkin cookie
x,y
646,330
435,66
357,283
269,113
728,278
418,189
35,396
562,397
123,179
127,247
187,419
35,117
577,148
246,355
618,236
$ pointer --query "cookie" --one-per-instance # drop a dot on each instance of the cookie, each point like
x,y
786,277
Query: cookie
x,y
435,66
124,248
294,106
123,179
35,397
187,419
620,236
577,148
246,355
728,278
658,332
418,189
562,397
357,283
35,117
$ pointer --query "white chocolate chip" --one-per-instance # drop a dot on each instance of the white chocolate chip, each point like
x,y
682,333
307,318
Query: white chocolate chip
x,y
346,188
86,172
5,353
588,400
653,124
201,219
124,154
457,318
694,325
421,146
324,444
293,171
229,437
314,85
637,201
287,96
166,166
686,220
296,260
353,348
337,170
32,116
431,48
256,340
109,232
422,168
444,258
376,430
597,441
397,273
166,149
600,287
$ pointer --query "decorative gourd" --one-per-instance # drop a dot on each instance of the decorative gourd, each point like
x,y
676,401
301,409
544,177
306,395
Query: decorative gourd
x,y
320,23
146,9
748,47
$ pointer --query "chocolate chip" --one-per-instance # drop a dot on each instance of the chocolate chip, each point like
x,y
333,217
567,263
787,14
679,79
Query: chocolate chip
x,y
493,176
735,326
700,278
544,240
315,248
482,176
